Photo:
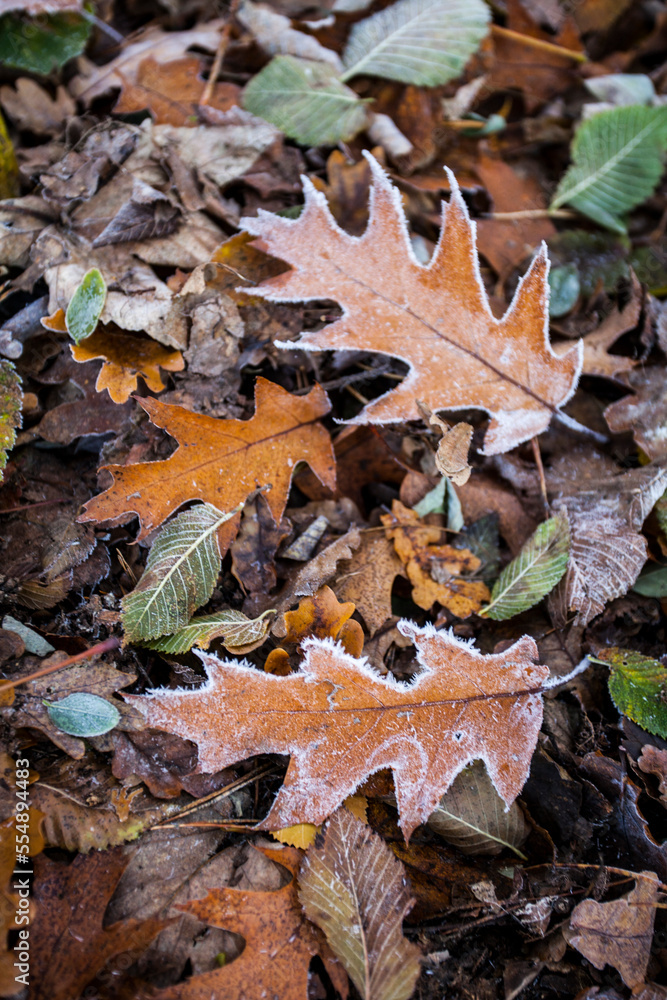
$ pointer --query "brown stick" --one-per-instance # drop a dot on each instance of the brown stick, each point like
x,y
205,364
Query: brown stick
x,y
31,506
538,43
220,54
221,793
531,213
97,650
540,471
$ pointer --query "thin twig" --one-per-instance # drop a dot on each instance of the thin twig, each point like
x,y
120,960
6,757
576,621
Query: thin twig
x,y
31,506
222,793
531,213
537,454
97,650
219,55
538,43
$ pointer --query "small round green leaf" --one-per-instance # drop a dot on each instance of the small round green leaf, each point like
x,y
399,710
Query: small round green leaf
x,y
83,714
86,305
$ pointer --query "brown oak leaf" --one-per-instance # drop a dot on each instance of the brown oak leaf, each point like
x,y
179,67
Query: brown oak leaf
x,y
644,413
620,932
436,318
434,570
222,461
279,943
70,942
340,721
172,90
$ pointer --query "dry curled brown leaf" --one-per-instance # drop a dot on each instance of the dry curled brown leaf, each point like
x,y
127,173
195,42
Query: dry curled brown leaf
x,y
435,571
125,359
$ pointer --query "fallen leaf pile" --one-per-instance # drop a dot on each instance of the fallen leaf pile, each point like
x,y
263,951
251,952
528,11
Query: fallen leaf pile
x,y
333,500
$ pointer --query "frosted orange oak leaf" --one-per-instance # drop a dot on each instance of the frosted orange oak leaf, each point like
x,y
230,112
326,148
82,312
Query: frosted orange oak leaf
x,y
223,461
436,318
340,721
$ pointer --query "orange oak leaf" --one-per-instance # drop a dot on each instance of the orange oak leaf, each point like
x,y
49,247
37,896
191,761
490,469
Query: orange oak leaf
x,y
436,318
125,359
434,570
340,721
222,461
172,90
320,615
279,943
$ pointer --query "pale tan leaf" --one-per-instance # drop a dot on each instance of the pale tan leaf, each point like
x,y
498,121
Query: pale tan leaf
x,y
607,550
618,933
472,816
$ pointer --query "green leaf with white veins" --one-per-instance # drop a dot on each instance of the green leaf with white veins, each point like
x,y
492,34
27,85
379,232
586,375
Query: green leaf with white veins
x,y
305,100
617,160
424,42
534,572
180,574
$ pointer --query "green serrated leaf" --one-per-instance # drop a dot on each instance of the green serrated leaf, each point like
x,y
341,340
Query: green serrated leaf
x,y
534,572
305,100
617,161
239,633
40,46
638,687
83,714
180,575
424,42
86,305
11,400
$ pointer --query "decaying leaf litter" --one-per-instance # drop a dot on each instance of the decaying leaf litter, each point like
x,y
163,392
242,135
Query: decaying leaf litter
x,y
333,443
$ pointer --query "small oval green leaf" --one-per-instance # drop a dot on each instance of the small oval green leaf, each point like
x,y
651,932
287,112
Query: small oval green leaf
x,y
86,305
83,714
